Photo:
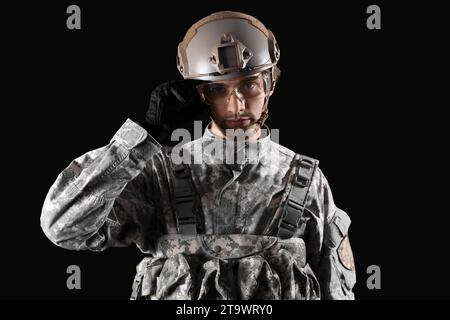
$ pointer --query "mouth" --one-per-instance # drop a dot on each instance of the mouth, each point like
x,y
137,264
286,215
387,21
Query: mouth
x,y
238,123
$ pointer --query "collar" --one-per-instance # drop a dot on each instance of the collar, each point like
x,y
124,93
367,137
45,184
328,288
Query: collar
x,y
220,150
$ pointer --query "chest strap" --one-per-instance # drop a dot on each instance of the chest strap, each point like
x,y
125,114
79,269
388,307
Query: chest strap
x,y
184,199
292,218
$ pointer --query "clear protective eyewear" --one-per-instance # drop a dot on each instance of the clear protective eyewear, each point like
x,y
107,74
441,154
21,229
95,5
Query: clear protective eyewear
x,y
219,94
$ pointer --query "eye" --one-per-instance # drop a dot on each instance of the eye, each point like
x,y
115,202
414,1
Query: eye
x,y
249,86
217,90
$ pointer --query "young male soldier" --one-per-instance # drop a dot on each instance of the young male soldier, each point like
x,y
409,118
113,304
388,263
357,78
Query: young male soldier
x,y
264,227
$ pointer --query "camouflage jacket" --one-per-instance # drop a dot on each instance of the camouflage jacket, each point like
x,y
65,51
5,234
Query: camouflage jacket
x,y
121,194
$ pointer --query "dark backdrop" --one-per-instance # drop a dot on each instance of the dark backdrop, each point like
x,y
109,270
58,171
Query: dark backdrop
x,y
358,100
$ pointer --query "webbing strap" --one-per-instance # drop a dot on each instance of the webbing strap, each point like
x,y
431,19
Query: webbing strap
x,y
292,217
184,200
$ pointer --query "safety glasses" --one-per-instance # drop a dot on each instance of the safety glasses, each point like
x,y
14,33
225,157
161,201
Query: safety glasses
x,y
219,93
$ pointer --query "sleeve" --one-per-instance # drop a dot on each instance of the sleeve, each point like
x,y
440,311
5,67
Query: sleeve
x,y
329,249
103,198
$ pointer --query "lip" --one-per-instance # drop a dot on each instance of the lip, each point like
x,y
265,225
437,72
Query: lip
x,y
238,123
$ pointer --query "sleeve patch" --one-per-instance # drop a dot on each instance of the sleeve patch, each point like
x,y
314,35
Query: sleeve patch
x,y
346,255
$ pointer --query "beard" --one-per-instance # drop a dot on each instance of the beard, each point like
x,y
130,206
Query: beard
x,y
239,129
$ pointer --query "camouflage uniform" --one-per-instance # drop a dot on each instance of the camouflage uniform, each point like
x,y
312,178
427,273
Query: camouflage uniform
x,y
122,194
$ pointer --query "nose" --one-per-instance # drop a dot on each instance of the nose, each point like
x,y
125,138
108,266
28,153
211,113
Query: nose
x,y
236,104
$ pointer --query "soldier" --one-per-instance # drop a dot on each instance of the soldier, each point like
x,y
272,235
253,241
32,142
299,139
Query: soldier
x,y
264,227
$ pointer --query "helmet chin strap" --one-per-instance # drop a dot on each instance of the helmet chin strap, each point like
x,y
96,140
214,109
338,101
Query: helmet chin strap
x,y
264,114
265,110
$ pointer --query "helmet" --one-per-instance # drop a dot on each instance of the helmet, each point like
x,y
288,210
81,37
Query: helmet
x,y
226,45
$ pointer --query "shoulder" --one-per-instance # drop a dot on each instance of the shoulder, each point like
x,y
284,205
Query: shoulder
x,y
288,154
280,154
282,150
319,197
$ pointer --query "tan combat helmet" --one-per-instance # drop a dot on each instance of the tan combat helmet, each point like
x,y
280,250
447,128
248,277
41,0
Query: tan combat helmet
x,y
227,45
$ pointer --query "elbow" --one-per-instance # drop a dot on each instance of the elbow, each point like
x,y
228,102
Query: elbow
x,y
48,226
59,233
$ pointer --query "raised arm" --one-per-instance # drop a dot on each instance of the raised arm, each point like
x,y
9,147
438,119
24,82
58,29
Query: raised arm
x,y
103,198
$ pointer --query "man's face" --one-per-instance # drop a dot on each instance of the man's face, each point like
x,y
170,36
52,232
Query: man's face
x,y
235,103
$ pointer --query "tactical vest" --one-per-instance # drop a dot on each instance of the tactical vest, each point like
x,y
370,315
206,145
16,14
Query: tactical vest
x,y
278,252
288,219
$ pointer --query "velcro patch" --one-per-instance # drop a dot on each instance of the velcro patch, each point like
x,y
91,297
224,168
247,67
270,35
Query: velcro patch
x,y
345,254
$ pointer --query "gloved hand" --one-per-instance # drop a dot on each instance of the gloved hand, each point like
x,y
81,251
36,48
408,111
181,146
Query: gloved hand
x,y
174,104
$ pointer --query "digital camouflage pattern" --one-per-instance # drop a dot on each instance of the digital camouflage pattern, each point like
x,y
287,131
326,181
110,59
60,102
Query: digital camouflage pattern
x,y
227,267
121,194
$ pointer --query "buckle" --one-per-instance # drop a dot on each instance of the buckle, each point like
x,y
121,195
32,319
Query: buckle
x,y
287,227
293,214
303,172
187,225
188,228
302,180
180,171
186,220
306,164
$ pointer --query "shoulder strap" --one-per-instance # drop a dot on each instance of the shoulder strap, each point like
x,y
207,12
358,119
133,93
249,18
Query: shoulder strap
x,y
294,206
184,199
183,195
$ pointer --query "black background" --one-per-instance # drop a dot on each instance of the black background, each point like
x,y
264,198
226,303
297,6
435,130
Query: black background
x,y
363,102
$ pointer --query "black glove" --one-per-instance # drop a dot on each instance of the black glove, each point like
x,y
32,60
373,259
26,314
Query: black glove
x,y
174,104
